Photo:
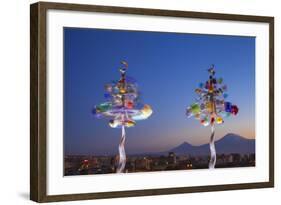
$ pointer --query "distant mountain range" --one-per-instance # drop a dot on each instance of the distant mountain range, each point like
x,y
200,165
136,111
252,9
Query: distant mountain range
x,y
230,143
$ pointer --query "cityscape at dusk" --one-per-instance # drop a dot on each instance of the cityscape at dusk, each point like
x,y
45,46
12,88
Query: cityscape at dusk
x,y
83,165
168,68
182,157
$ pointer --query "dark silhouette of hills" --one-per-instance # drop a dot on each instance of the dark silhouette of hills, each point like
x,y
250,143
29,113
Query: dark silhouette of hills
x,y
230,143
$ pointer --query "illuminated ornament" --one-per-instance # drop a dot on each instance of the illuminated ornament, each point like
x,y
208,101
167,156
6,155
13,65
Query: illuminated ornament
x,y
211,108
122,108
114,123
146,111
197,116
103,107
227,106
130,123
205,121
234,109
107,95
122,90
195,108
198,91
219,120
129,104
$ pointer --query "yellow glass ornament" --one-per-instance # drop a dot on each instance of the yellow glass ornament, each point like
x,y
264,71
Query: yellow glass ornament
x,y
219,120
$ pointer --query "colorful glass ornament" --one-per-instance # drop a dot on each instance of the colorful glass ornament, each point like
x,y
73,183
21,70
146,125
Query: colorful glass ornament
x,y
123,108
234,109
211,108
227,106
195,108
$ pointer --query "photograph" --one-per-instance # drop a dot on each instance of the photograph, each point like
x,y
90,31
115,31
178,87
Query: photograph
x,y
146,101
139,101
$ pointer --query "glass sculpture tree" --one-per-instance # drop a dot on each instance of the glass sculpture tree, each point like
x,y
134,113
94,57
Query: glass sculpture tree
x,y
123,108
211,107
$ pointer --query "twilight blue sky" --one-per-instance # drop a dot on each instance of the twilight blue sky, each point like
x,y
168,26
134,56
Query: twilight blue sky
x,y
168,67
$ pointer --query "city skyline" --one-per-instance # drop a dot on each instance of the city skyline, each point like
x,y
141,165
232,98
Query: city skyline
x,y
168,67
87,165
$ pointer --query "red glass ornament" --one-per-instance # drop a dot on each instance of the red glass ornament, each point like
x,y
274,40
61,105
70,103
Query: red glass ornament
x,y
234,109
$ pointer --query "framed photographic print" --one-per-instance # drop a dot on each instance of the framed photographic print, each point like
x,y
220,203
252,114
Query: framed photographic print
x,y
134,102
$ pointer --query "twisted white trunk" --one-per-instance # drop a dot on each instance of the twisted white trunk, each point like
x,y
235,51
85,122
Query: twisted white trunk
x,y
122,154
213,157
